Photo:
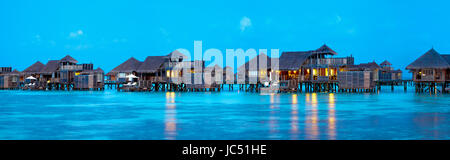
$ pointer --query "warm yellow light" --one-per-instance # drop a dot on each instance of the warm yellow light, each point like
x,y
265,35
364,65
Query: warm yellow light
x,y
77,73
294,99
314,72
168,74
326,71
332,72
295,72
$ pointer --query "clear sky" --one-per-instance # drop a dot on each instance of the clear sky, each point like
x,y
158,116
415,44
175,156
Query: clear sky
x,y
107,33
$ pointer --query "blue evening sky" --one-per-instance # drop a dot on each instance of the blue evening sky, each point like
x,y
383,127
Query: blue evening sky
x,y
107,33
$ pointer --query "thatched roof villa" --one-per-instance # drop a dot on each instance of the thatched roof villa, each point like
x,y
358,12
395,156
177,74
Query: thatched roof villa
x,y
431,67
128,67
257,70
62,71
313,65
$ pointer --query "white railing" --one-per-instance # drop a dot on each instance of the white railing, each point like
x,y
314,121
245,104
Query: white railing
x,y
71,67
329,61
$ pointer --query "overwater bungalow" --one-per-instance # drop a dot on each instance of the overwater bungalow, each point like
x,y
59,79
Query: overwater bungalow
x,y
229,76
170,72
431,70
57,74
33,71
388,73
318,65
214,75
316,69
119,74
259,73
150,69
50,72
9,79
358,77
90,79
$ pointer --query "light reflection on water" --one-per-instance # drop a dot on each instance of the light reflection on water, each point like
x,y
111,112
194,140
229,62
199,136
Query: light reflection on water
x,y
224,115
170,130
331,117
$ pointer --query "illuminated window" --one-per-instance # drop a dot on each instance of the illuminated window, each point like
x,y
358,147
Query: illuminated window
x,y
314,72
168,74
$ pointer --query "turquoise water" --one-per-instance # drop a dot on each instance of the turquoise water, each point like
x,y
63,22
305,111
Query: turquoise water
x,y
225,115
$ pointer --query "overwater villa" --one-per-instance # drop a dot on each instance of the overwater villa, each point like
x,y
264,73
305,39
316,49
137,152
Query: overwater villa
x,y
317,69
170,72
318,65
9,79
388,73
358,77
430,71
256,72
62,75
119,73
312,71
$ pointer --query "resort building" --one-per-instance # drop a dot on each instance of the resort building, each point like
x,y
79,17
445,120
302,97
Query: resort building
x,y
127,68
431,70
388,73
316,65
9,79
172,72
61,74
361,76
150,69
258,70
32,71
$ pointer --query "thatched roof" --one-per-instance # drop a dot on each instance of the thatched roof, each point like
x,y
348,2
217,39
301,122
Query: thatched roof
x,y
446,57
98,70
35,68
151,64
69,59
431,59
130,65
213,68
396,71
255,60
51,67
294,60
228,69
364,66
386,63
176,54
325,50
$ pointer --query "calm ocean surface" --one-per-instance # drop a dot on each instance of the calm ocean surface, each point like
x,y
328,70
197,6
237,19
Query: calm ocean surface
x,y
225,115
